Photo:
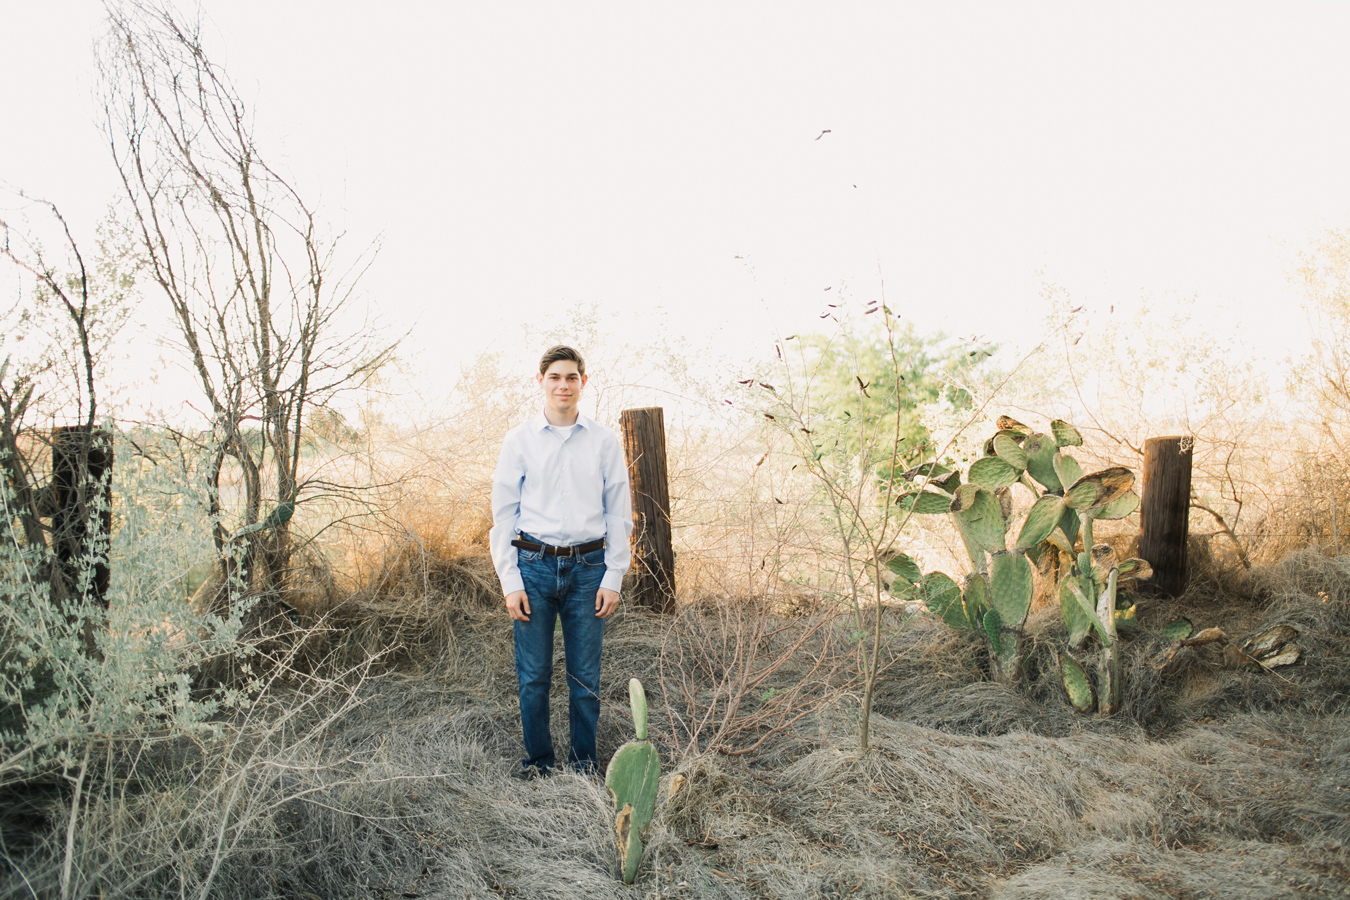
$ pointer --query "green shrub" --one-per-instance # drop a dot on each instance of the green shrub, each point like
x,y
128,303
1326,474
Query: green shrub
x,y
77,672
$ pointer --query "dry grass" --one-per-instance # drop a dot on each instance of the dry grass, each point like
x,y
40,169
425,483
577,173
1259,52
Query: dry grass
x,y
391,778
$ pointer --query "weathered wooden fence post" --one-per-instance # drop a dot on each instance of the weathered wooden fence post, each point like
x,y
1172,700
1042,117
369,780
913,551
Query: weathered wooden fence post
x,y
80,460
644,443
1165,510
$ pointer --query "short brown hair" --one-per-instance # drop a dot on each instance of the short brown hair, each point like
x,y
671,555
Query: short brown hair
x,y
561,351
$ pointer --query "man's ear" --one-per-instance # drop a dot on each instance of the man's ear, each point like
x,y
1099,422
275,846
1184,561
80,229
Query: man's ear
x,y
539,378
584,379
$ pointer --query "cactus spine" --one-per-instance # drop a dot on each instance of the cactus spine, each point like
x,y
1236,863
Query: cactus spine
x,y
632,777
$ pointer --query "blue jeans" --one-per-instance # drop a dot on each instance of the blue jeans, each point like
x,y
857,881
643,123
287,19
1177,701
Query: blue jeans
x,y
560,589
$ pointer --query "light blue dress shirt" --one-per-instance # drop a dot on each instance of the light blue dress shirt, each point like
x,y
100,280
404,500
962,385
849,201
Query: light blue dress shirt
x,y
564,487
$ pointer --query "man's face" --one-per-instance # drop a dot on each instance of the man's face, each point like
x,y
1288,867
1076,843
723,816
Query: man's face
x,y
562,385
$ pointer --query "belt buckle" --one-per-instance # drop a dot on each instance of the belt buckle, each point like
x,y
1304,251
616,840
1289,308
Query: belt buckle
x,y
567,551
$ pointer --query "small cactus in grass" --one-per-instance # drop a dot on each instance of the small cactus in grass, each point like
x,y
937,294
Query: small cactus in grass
x,y
997,595
632,777
1076,683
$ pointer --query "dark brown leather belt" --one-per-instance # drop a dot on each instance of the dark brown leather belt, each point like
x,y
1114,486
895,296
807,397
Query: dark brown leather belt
x,y
548,550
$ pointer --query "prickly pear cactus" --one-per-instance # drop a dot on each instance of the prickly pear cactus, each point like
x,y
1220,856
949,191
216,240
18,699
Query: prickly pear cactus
x,y
632,777
1065,504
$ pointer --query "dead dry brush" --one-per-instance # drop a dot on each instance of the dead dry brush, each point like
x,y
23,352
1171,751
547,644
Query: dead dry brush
x,y
398,783
377,760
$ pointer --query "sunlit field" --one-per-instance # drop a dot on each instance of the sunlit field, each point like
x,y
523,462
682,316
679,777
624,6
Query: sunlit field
x,y
370,748
254,645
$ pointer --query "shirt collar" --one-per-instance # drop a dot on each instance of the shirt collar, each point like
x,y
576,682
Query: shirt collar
x,y
540,422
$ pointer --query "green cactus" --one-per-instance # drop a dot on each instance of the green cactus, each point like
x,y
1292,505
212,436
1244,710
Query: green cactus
x,y
1178,629
993,472
1067,469
1067,502
1077,621
1043,517
993,629
975,600
1041,450
1065,434
904,567
997,595
942,596
979,517
927,503
1010,587
1076,683
1007,446
632,778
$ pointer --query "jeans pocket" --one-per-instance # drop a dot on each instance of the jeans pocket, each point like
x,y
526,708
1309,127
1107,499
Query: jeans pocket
x,y
523,556
594,559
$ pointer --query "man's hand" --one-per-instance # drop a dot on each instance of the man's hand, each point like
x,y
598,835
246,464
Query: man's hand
x,y
606,601
518,605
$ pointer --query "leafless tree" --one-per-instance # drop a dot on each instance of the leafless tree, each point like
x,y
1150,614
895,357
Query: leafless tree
x,y
51,335
257,289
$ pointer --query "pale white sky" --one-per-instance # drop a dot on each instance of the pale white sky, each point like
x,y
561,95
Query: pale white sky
x,y
519,158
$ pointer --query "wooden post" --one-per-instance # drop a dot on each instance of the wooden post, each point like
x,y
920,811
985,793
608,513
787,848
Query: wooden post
x,y
644,443
1165,511
80,460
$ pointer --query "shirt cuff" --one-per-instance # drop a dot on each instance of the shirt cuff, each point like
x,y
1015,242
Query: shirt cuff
x,y
612,581
512,583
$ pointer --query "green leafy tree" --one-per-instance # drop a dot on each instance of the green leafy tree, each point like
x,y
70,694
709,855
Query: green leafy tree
x,y
869,388
854,403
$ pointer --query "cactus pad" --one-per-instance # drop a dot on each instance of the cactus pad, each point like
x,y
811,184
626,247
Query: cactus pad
x,y
993,629
1041,519
943,598
1067,468
905,568
1136,568
1118,508
992,473
1082,495
1041,450
980,516
926,503
975,600
1009,449
1065,434
637,702
1010,587
1076,619
1178,629
1110,484
632,778
1077,594
1076,683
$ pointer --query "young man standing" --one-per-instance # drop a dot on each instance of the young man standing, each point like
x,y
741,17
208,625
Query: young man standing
x,y
561,516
